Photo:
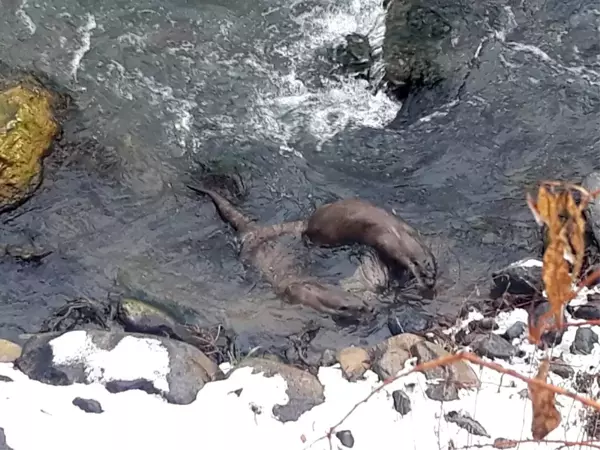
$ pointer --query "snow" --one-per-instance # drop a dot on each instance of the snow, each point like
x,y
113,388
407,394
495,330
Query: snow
x,y
221,416
131,359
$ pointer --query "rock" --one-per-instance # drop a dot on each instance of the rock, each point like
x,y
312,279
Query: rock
x,y
585,312
523,277
27,130
561,368
355,55
175,370
354,361
592,183
389,357
346,438
516,330
5,379
328,358
493,346
458,373
401,402
3,444
584,341
466,422
431,45
408,319
485,324
88,405
140,384
442,392
9,351
303,389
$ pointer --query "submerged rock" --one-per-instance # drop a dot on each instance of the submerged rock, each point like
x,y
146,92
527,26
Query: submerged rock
x,y
354,361
354,56
303,389
584,341
88,405
523,277
27,130
176,370
9,351
408,319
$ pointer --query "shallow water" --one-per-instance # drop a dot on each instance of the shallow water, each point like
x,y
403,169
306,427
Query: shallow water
x,y
163,85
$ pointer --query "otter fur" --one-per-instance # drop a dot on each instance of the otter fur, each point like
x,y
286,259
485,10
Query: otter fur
x,y
278,265
355,221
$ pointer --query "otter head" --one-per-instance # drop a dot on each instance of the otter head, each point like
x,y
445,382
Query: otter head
x,y
326,299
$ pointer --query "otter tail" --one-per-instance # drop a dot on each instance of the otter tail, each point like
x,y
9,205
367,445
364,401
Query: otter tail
x,y
228,212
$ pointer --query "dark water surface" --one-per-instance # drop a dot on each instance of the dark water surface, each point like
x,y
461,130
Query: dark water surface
x,y
163,85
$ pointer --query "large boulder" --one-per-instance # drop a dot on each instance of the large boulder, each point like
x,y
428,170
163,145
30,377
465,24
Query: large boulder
x,y
120,361
429,46
27,130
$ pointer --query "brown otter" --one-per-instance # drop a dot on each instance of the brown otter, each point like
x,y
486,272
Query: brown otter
x,y
352,221
278,265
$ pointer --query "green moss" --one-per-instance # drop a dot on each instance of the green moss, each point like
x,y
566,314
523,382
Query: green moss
x,y
27,129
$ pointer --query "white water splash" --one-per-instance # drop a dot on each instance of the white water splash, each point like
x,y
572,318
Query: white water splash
x,y
21,13
85,35
289,105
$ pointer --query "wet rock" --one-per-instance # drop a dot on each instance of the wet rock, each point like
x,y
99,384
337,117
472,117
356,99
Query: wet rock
x,y
466,422
561,368
175,370
328,358
3,444
5,379
585,312
592,183
346,438
88,405
584,341
493,346
9,351
516,330
354,361
523,277
401,402
27,130
354,56
549,338
389,357
430,45
408,319
459,373
303,389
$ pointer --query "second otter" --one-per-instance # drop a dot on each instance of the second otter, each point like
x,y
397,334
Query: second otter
x,y
353,220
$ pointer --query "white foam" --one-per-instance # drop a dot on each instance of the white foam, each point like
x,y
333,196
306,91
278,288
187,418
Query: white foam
x,y
84,34
131,359
21,13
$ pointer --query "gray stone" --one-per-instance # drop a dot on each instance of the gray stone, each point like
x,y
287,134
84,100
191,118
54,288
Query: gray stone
x,y
561,368
3,444
401,402
88,405
303,389
466,422
442,392
523,277
493,346
346,438
584,341
188,368
459,373
516,330
389,356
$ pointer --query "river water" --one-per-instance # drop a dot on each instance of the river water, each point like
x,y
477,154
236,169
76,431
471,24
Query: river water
x,y
164,85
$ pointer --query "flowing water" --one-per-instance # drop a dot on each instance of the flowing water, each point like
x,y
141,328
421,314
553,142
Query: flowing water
x,y
163,86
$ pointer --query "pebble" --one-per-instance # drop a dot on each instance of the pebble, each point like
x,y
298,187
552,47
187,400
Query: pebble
x,y
516,330
466,422
9,351
584,341
5,379
401,402
354,361
346,438
88,405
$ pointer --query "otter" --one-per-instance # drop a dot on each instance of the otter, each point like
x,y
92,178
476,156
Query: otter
x,y
278,266
351,221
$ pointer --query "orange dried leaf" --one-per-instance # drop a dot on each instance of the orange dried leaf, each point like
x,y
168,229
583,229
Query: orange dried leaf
x,y
546,417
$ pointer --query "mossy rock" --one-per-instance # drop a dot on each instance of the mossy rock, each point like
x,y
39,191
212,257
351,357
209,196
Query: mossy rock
x,y
27,129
